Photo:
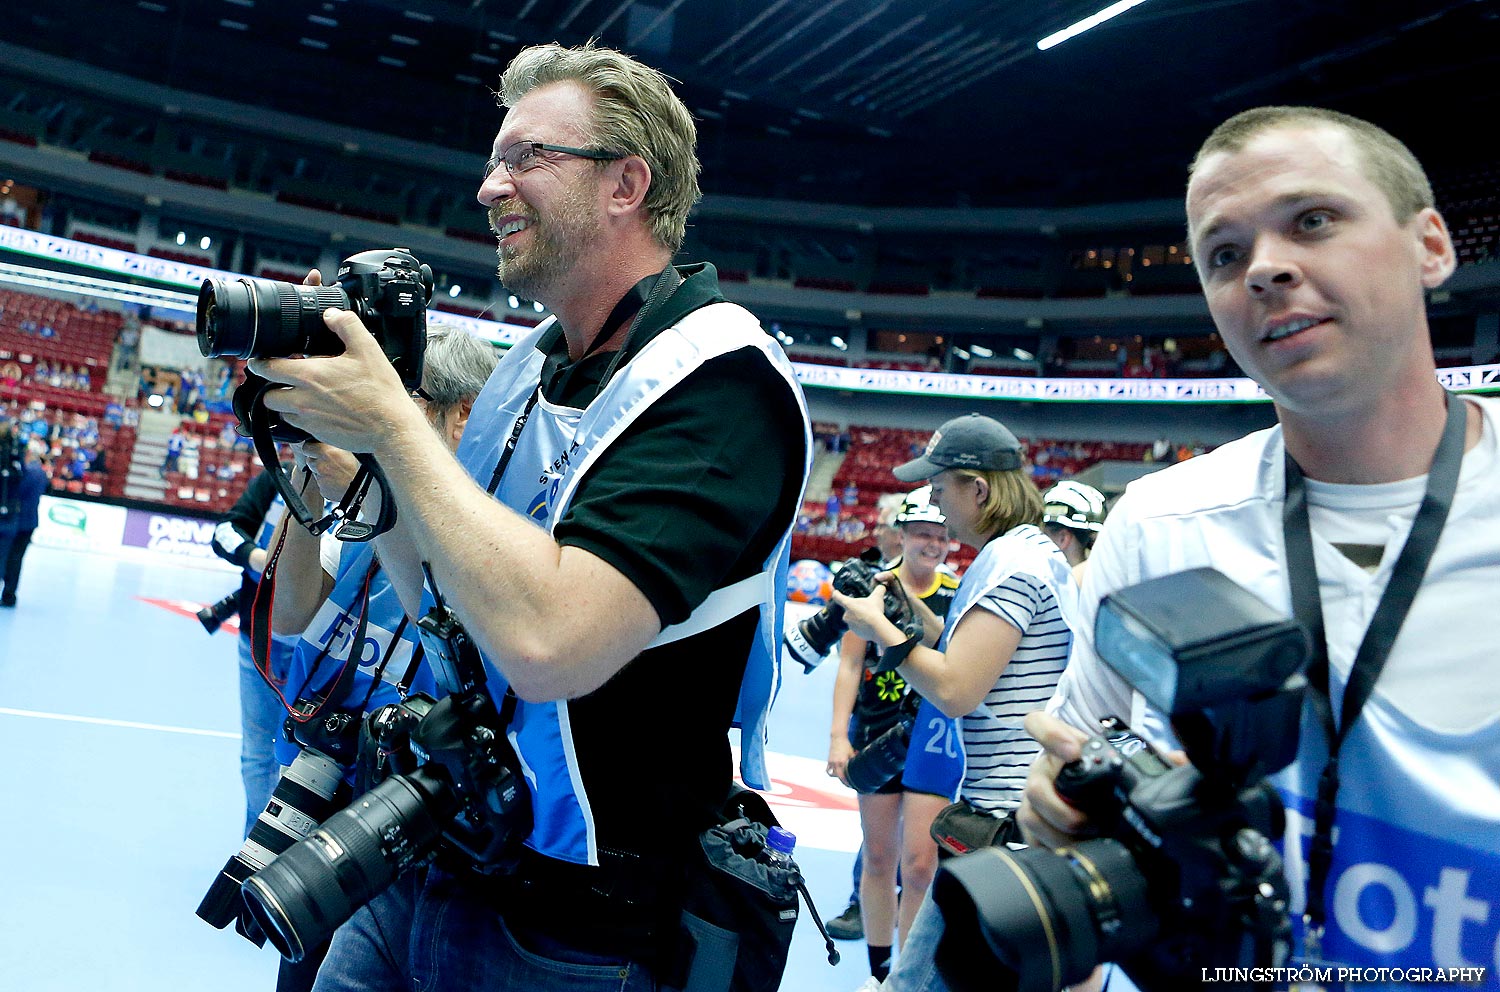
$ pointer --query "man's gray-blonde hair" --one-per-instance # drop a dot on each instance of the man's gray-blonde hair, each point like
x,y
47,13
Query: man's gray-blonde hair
x,y
635,112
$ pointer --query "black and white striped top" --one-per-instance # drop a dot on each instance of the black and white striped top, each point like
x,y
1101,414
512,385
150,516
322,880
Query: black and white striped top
x,y
1024,579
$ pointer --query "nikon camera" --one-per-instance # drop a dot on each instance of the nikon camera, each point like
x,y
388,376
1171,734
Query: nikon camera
x,y
387,289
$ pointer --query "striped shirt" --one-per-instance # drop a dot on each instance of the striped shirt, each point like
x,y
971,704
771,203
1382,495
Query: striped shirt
x,y
1027,584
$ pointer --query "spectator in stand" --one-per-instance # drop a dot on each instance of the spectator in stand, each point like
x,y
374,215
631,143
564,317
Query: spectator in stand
x,y
130,342
114,414
41,372
10,376
832,510
77,465
851,493
175,444
83,379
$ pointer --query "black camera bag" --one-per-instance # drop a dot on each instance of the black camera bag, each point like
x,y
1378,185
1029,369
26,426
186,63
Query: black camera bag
x,y
739,911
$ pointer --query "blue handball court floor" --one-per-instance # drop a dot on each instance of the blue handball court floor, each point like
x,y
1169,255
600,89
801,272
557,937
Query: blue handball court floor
x,y
121,797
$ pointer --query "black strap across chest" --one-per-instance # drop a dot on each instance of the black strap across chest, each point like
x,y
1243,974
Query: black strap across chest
x,y
1390,614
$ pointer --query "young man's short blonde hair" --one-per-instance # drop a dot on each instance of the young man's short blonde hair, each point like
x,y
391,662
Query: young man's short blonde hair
x,y
635,112
1014,500
1388,164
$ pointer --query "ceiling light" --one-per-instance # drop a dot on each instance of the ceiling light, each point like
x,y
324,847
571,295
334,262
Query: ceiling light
x,y
538,307
1093,20
182,237
838,343
455,289
982,351
205,242
515,304
1022,354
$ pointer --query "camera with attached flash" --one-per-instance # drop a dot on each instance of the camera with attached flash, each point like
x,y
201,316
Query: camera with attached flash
x,y
1181,873
450,784
810,641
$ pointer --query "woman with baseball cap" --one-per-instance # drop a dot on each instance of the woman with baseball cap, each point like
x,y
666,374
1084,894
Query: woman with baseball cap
x,y
1007,638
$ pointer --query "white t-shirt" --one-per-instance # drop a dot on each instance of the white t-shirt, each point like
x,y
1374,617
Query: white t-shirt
x,y
1415,880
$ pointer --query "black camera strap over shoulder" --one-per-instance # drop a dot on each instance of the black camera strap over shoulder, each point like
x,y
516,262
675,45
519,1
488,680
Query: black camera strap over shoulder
x,y
1385,625
661,290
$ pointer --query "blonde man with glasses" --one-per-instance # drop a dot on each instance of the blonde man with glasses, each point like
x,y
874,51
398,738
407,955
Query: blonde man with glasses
x,y
613,534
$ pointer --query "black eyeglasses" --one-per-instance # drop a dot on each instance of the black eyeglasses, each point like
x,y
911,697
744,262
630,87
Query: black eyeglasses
x,y
421,394
522,156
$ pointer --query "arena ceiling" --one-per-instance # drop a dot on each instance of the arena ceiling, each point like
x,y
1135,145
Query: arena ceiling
x,y
878,102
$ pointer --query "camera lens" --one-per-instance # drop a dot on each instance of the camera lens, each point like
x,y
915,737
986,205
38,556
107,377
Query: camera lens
x,y
879,761
316,885
1037,920
810,641
307,793
263,318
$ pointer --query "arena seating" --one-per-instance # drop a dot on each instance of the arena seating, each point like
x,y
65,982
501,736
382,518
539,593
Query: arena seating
x,y
873,451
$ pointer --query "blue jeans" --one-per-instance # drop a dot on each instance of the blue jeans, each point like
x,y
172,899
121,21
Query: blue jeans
x,y
430,933
915,969
261,716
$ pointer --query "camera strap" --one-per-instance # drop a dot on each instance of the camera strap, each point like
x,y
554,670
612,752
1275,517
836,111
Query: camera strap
x,y
1400,591
661,290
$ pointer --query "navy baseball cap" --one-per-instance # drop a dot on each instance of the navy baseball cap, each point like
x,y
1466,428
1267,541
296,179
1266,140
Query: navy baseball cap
x,y
970,441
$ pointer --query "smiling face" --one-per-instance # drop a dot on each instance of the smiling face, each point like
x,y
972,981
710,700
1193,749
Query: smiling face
x,y
550,215
1314,285
924,545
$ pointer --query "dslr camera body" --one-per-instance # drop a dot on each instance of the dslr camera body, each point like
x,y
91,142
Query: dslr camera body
x,y
448,784
387,289
1182,874
810,641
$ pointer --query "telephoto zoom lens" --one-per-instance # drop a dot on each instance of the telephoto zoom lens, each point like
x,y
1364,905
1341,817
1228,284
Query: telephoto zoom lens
x,y
316,885
879,761
263,318
1038,920
307,794
810,640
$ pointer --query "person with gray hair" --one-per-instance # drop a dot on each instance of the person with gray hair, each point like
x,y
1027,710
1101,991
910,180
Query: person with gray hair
x,y
616,527
325,589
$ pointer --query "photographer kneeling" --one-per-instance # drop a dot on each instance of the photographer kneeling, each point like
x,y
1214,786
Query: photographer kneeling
x,y
1006,642
347,598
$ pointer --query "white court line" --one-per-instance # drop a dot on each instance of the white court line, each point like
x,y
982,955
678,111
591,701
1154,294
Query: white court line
x,y
101,721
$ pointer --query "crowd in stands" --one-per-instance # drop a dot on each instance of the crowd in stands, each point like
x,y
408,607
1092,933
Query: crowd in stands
x,y
839,525
75,449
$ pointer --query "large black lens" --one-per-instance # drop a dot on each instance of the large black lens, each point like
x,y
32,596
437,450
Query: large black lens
x,y
302,897
879,761
1037,920
811,640
263,318
306,795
